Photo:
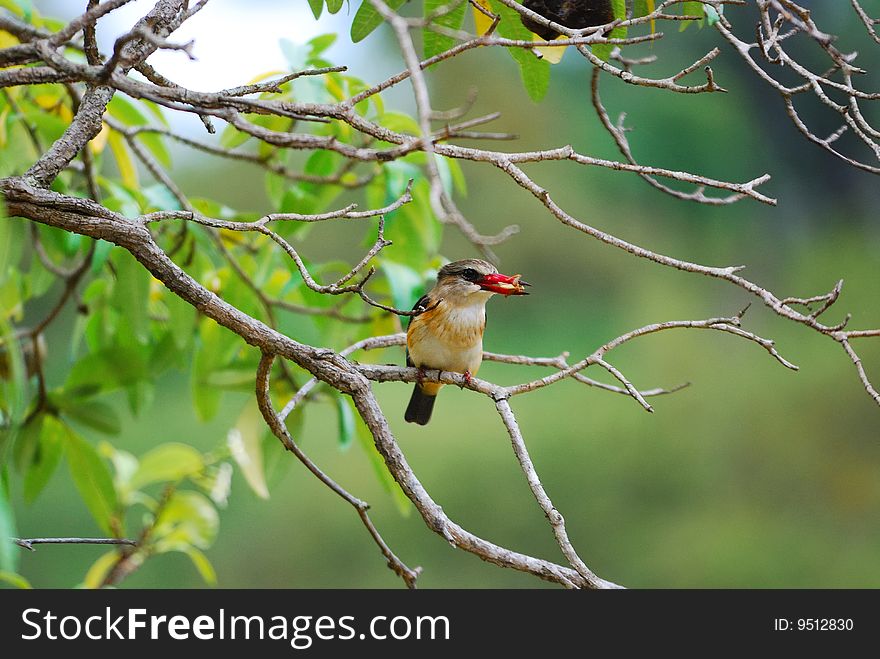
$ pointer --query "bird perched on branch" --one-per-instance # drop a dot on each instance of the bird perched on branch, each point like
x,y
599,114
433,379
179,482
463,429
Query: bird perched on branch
x,y
575,14
447,334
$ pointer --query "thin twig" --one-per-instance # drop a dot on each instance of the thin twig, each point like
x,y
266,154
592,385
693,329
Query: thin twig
x,y
28,543
276,425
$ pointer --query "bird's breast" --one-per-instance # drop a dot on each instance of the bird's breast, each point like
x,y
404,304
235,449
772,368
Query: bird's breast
x,y
448,337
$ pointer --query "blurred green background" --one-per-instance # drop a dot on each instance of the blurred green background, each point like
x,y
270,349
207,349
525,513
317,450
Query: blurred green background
x,y
754,476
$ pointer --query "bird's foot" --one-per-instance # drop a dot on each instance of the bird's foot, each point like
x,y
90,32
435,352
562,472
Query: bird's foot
x,y
468,378
421,375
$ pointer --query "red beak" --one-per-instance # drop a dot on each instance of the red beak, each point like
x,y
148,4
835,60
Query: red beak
x,y
503,284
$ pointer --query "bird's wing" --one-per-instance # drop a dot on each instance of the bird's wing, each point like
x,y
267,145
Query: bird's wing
x,y
424,302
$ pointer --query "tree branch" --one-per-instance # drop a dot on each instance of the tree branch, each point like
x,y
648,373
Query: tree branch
x,y
28,543
276,424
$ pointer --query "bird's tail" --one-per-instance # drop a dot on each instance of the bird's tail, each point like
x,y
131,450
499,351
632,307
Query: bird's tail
x,y
420,406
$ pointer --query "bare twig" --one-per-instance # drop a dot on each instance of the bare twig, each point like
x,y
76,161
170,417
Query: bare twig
x,y
28,543
276,424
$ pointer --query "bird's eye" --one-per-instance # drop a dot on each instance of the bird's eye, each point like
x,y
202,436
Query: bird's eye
x,y
470,274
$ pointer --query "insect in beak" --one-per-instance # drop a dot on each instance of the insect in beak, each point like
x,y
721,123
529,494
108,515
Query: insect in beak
x,y
503,284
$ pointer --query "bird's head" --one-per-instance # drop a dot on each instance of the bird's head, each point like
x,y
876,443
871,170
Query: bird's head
x,y
473,280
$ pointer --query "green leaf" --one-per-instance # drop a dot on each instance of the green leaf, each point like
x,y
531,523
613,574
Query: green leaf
x,y
141,394
245,441
113,368
333,6
345,420
403,504
15,580
102,253
38,279
277,461
124,467
216,482
11,241
48,126
122,199
92,479
413,229
155,143
131,294
444,173
322,163
206,399
206,360
316,6
397,177
125,111
535,73
46,458
241,379
8,550
297,56
13,384
603,50
11,301
93,414
321,43
459,181
406,284
368,19
642,8
399,122
691,9
713,15
167,463
156,111
27,439
232,137
181,319
188,519
160,197
434,42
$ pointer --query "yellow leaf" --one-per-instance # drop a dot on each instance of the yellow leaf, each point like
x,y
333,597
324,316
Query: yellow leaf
x,y
483,22
245,442
99,141
46,101
203,565
276,282
230,237
3,135
14,580
64,112
95,576
334,88
156,289
53,104
7,39
127,169
266,76
553,54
